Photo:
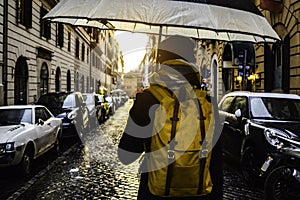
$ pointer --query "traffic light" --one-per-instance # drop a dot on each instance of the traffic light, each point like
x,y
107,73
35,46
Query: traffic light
x,y
241,71
244,71
247,71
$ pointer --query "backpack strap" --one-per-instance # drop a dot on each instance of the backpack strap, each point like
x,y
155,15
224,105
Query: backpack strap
x,y
172,144
203,152
159,93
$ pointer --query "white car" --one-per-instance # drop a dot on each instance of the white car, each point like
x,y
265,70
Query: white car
x,y
27,132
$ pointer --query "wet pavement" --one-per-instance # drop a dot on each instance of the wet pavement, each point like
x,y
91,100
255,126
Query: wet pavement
x,y
92,171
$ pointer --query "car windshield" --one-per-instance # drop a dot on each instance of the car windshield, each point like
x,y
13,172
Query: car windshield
x,y
89,99
15,116
275,108
69,102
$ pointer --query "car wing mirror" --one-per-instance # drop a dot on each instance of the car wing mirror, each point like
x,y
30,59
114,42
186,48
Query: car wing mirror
x,y
40,122
238,113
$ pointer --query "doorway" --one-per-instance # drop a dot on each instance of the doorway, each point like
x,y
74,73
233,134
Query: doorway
x,y
21,81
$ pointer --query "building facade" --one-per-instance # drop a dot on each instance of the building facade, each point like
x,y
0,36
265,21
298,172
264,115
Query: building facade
x,y
276,66
262,67
133,83
38,57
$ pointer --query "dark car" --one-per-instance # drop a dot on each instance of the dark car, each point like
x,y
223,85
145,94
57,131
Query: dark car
x,y
251,122
70,107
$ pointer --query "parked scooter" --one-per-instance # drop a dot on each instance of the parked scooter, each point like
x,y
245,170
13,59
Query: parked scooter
x,y
283,170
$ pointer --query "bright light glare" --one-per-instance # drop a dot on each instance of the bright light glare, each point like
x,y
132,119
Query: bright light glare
x,y
132,60
133,47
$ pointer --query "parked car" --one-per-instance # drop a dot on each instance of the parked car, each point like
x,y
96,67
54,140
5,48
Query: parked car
x,y
252,120
94,106
27,132
70,107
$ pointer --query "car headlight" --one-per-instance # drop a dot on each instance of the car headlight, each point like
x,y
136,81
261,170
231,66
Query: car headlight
x,y
10,146
72,115
7,147
275,136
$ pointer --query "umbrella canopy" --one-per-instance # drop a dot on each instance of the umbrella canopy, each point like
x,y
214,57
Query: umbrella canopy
x,y
225,20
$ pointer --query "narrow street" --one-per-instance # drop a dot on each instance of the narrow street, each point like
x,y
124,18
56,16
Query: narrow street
x,y
92,171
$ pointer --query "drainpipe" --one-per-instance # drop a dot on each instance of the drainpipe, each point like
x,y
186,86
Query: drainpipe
x,y
3,86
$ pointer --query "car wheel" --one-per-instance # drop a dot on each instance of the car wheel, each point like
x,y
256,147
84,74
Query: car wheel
x,y
57,147
26,162
282,185
248,166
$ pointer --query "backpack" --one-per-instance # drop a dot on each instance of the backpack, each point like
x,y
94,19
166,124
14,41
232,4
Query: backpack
x,y
180,151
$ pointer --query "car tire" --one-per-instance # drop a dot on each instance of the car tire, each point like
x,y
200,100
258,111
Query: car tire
x,y
26,162
281,184
57,146
248,167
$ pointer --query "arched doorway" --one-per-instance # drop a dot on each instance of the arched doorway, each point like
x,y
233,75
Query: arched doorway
x,y
44,79
57,80
68,80
238,57
21,80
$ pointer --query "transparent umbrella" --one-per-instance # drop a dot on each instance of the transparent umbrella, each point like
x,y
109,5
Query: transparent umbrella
x,y
224,20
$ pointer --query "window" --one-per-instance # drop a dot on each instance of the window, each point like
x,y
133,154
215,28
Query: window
x,y
77,48
69,80
57,80
82,84
277,108
40,113
45,25
225,106
240,103
15,116
44,79
87,55
96,35
87,84
24,12
69,41
60,35
82,52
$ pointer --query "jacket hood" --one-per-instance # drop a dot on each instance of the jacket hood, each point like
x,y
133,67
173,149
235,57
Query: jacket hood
x,y
167,76
175,81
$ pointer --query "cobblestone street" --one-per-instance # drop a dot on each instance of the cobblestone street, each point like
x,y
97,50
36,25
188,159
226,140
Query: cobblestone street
x,y
92,171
